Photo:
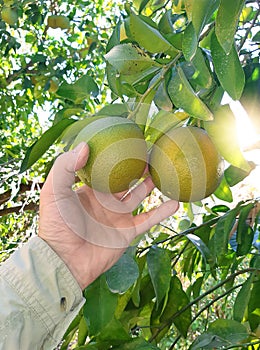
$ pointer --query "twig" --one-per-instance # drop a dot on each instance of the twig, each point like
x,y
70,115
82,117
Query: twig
x,y
181,234
147,92
249,30
244,345
205,308
4,197
196,300
175,342
17,209
161,7
214,300
180,253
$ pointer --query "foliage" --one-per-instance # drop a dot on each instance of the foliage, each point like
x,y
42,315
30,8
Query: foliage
x,y
161,64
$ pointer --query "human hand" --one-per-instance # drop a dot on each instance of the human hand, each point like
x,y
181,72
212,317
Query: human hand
x,y
90,230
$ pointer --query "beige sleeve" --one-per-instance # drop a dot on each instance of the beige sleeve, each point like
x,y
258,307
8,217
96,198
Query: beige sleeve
x,y
39,298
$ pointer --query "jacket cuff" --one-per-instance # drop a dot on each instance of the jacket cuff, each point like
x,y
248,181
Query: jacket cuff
x,y
41,278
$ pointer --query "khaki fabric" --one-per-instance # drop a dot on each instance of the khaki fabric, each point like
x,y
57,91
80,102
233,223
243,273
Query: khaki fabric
x,y
39,298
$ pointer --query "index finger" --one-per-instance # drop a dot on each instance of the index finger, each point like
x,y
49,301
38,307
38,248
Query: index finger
x,y
62,175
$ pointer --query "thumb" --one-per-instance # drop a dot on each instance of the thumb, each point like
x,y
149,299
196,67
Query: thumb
x,y
62,175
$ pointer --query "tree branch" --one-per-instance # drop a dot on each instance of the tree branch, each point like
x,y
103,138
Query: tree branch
x,y
4,197
196,300
21,208
205,308
249,30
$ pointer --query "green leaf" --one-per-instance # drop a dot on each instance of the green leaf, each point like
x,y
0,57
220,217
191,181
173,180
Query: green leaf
x,y
147,35
142,76
256,37
226,22
162,99
223,191
161,123
78,91
67,113
128,59
208,341
71,331
177,299
196,287
82,331
142,5
118,109
159,267
242,299
141,113
228,330
222,232
221,333
121,276
70,133
202,75
35,151
100,305
114,38
114,333
189,43
202,12
222,131
254,306
228,69
202,248
183,96
165,24
234,175
136,290
245,233
138,344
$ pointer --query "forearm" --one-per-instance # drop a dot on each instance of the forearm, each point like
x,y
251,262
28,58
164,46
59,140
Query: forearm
x,y
39,298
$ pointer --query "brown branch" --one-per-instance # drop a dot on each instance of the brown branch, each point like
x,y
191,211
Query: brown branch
x,y
16,74
18,209
249,30
4,197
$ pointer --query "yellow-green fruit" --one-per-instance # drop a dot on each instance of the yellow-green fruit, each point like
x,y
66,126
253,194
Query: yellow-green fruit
x,y
54,84
185,165
118,154
58,21
9,15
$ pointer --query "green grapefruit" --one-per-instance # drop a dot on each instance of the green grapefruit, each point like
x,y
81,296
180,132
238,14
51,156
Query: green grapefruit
x,y
118,154
185,164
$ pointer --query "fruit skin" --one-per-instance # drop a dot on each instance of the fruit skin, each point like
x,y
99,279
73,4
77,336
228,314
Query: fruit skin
x,y
185,165
118,154
9,15
54,84
58,21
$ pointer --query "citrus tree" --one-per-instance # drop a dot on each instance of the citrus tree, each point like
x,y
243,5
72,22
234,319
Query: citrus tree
x,y
161,64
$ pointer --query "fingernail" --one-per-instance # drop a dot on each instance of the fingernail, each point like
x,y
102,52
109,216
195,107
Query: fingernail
x,y
79,147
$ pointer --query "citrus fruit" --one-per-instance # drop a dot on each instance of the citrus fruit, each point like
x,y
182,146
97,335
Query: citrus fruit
x,y
118,154
54,84
9,15
58,21
185,165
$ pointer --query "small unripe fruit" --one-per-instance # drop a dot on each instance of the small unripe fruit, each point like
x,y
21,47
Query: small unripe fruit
x,y
54,84
9,15
58,21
